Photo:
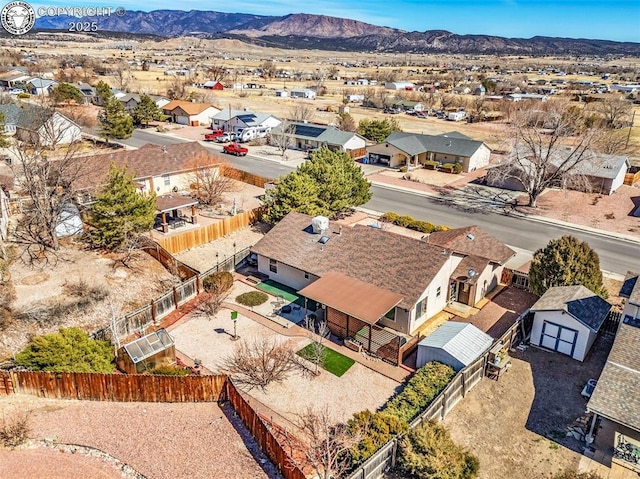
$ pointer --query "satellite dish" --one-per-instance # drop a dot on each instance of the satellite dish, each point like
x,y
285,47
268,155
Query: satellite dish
x,y
472,273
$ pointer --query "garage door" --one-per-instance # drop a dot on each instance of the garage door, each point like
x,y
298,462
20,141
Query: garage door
x,y
558,338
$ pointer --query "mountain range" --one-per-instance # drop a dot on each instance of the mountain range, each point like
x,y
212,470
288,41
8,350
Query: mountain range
x,y
332,33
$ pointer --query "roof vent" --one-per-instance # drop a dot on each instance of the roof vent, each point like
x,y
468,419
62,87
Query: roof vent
x,y
319,224
470,236
323,240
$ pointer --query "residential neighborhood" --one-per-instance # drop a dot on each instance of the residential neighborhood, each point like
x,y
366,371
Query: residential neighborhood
x,y
222,258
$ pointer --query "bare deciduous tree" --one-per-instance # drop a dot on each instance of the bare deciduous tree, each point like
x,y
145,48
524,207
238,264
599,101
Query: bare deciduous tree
x,y
302,112
209,183
616,111
261,361
282,136
177,89
548,147
325,445
316,352
212,304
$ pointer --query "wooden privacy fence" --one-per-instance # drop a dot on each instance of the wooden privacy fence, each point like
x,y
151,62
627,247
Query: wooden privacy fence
x,y
263,436
444,402
633,176
205,234
116,387
168,261
244,176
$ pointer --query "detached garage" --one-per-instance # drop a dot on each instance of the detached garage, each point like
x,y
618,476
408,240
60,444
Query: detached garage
x,y
567,320
454,344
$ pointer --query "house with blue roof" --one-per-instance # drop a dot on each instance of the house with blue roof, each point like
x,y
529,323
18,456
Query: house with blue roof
x,y
413,150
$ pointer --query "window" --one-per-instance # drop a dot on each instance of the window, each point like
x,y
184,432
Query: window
x,y
391,314
306,275
438,291
167,180
421,308
273,265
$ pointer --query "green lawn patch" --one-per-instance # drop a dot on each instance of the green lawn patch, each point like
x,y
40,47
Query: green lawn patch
x,y
287,293
334,362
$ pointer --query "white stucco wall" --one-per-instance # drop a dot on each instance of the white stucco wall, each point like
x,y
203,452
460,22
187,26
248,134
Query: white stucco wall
x,y
354,143
492,277
585,336
59,131
287,275
479,159
618,181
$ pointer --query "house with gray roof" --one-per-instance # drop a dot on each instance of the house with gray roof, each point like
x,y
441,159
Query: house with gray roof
x,y
34,124
309,136
616,397
234,120
413,150
38,86
567,319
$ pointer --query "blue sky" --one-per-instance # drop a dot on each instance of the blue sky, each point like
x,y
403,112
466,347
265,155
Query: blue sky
x,y
609,20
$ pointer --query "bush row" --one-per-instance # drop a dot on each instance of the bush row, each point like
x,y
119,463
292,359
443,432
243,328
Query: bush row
x,y
379,428
411,223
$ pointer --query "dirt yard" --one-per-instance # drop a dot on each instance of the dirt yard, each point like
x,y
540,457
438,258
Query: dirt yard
x,y
158,440
517,425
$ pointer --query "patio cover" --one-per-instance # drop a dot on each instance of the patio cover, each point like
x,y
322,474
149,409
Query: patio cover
x,y
168,203
351,296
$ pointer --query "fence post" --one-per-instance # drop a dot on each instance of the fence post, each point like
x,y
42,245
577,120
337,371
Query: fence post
x,y
153,313
464,383
444,406
175,297
394,451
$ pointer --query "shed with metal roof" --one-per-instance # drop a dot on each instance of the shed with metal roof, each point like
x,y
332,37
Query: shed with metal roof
x,y
148,352
454,344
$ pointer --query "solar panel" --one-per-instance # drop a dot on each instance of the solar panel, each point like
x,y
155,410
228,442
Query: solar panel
x,y
307,130
323,239
247,118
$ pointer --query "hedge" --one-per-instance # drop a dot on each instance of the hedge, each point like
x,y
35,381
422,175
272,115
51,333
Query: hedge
x,y
219,282
431,165
411,223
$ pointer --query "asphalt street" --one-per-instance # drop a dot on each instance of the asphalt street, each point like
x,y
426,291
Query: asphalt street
x,y
616,254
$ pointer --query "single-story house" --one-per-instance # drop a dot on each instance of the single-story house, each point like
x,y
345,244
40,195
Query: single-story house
x,y
567,320
407,105
400,85
616,397
233,120
89,92
282,93
189,113
213,85
307,136
146,353
159,169
604,174
526,96
378,300
34,124
455,344
13,78
131,100
481,260
38,86
302,93
413,150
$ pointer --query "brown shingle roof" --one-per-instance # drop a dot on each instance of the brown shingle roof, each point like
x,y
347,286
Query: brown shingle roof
x,y
352,296
471,240
389,261
617,395
189,107
467,264
145,162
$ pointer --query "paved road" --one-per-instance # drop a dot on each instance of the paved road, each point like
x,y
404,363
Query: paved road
x,y
616,255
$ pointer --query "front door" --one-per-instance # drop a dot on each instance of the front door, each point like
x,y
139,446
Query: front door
x,y
464,290
558,338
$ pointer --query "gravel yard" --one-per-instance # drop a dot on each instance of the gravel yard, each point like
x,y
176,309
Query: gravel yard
x,y
158,440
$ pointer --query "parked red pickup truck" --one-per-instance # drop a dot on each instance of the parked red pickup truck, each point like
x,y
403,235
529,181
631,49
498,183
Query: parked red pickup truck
x,y
235,149
213,136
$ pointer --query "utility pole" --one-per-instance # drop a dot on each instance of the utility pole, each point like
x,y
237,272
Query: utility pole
x,y
633,117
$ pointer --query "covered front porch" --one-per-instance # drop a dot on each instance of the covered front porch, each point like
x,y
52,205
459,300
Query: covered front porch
x,y
352,310
463,283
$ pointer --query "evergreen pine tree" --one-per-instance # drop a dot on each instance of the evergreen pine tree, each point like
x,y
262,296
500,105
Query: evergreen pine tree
x,y
146,111
114,119
566,261
120,211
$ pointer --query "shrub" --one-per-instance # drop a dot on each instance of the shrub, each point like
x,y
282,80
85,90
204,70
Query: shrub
x,y
422,226
14,429
403,169
376,429
447,168
68,350
431,165
457,168
168,370
404,221
390,217
441,228
428,452
23,95
218,283
252,298
425,385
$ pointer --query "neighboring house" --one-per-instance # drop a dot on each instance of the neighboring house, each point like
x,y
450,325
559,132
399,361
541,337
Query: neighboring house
x,y
616,398
129,101
307,136
13,78
481,262
158,169
302,93
455,344
604,174
400,85
407,105
38,86
377,287
89,92
213,85
526,96
413,150
233,120
282,93
190,113
567,320
37,125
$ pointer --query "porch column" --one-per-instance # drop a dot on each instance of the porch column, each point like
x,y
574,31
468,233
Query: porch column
x,y
589,438
165,225
194,216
